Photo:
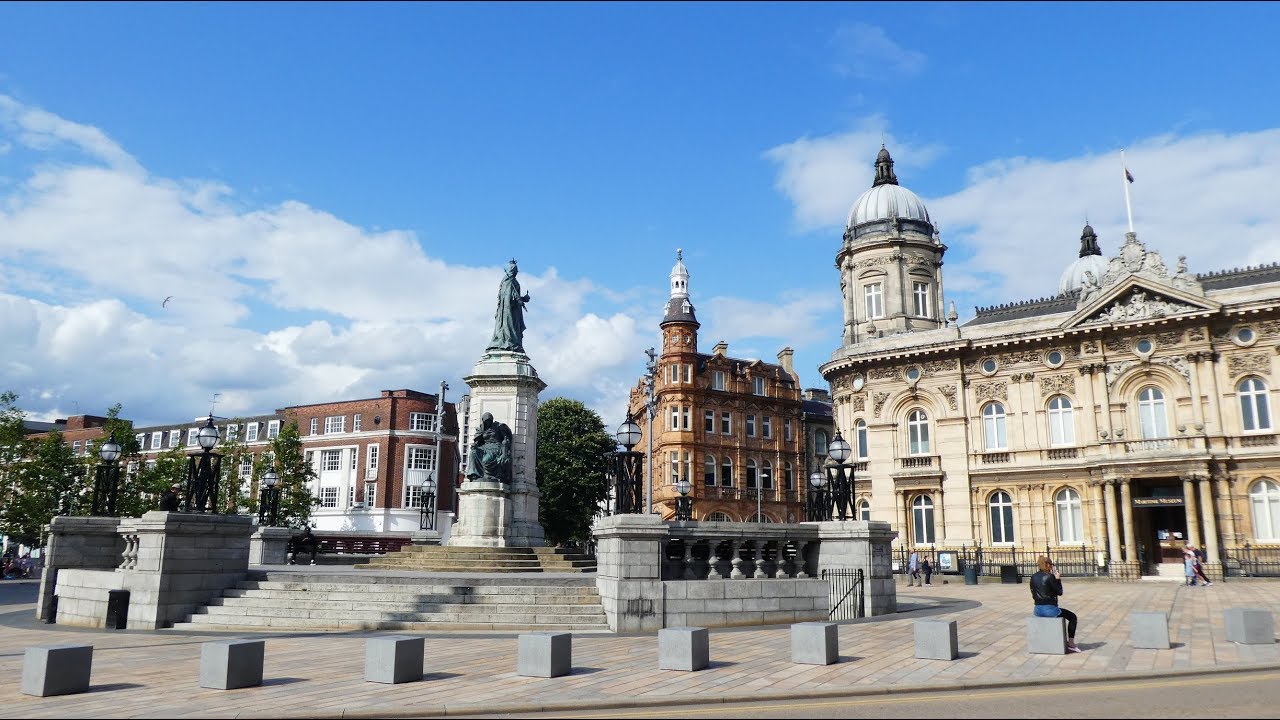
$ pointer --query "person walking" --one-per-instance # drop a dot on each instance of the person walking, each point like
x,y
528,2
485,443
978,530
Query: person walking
x,y
927,569
913,567
1046,588
1189,565
1197,560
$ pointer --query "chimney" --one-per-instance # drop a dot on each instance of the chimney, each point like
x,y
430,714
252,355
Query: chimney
x,y
721,349
818,394
784,359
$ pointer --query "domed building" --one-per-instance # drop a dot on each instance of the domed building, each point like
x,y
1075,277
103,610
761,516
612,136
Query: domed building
x,y
1123,416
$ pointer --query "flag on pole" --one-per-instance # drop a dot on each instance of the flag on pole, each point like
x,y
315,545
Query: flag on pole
x,y
1128,175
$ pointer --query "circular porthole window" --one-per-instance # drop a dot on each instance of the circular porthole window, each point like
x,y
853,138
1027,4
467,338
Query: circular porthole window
x,y
1244,336
858,383
913,373
989,366
1144,347
1054,358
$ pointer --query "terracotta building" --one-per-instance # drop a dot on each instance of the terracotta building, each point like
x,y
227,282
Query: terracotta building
x,y
729,425
1122,417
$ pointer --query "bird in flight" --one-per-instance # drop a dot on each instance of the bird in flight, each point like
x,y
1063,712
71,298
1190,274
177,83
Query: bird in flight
x,y
166,301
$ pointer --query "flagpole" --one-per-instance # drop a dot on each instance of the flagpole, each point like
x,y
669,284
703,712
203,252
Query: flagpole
x,y
1128,205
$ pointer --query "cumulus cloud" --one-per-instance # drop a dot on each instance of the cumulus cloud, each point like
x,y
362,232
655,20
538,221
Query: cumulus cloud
x,y
1015,225
867,52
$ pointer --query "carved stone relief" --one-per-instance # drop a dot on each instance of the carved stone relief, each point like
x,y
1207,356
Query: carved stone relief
x,y
1245,363
875,261
859,403
991,391
949,392
1195,334
933,367
1053,384
879,399
1178,363
1138,306
883,373
1089,347
1115,370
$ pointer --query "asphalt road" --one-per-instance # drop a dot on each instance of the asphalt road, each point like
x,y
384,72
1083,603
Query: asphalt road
x,y
1218,695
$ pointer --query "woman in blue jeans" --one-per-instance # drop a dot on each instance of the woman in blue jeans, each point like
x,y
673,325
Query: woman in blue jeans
x,y
1046,587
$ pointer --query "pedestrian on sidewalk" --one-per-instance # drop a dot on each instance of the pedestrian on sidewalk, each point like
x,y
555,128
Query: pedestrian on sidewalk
x,y
927,569
1197,559
913,565
1189,565
1046,587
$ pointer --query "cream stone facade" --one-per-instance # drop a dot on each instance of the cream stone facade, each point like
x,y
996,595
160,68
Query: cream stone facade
x,y
1125,417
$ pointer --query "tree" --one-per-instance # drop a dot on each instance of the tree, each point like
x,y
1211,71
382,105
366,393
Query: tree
x,y
140,488
571,468
46,482
296,474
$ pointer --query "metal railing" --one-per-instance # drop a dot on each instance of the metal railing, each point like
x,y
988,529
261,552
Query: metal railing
x,y
1070,561
1250,561
848,593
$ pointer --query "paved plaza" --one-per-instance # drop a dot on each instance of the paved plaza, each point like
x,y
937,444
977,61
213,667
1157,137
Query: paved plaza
x,y
155,674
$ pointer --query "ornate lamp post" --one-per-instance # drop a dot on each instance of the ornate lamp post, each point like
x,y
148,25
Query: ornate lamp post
x,y
818,509
650,378
106,480
203,471
269,502
427,514
627,470
684,503
840,477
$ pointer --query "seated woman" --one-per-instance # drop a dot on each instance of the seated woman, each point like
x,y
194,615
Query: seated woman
x,y
1046,587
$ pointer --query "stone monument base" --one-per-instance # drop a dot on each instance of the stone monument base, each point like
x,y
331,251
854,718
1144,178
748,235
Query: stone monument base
x,y
489,516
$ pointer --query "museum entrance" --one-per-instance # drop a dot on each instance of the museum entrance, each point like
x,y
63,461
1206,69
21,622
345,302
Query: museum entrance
x,y
1160,526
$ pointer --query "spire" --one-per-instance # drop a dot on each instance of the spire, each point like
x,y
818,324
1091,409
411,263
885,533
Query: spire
x,y
884,169
679,277
1089,242
678,307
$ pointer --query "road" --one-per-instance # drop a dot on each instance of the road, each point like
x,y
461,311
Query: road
x,y
1217,695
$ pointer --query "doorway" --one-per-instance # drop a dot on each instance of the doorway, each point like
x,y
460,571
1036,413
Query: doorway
x,y
1160,528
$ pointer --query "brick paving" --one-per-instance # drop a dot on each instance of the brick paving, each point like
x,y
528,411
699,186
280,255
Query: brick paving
x,y
156,674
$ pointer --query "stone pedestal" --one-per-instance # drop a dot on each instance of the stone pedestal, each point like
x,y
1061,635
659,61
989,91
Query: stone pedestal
x,y
90,543
865,545
493,514
269,546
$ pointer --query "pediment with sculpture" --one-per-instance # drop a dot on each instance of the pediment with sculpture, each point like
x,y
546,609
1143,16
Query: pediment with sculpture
x,y
1139,297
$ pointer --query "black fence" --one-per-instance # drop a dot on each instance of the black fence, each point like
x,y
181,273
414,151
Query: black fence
x,y
1251,562
1071,562
848,593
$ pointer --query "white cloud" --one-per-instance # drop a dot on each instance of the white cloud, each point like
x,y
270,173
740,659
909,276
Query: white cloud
x,y
867,53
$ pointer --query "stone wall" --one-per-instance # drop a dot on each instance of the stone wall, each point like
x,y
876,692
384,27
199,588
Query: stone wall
x,y
77,542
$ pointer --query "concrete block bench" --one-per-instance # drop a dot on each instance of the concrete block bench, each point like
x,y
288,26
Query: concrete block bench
x,y
393,659
544,654
683,648
815,643
1046,636
1149,630
937,639
56,670
231,664
1249,626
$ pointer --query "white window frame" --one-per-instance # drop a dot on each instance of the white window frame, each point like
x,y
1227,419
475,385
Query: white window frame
x,y
709,470
412,496
335,424
1264,505
821,443
688,372
1255,405
788,477
192,433
864,510
1153,416
759,386
273,429
1000,514
751,425
709,421
752,475
355,422
370,494
726,423
686,413
862,447
157,439
232,432
1067,508
918,433
873,298
315,423
251,432
766,427
1062,426
328,496
175,437
786,429
675,417
726,472
766,475
920,299
922,520
422,421
330,460
371,451
75,447
995,430
246,466
717,380
141,439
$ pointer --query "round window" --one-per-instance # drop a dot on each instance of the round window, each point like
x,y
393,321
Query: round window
x,y
989,366
1145,347
1244,335
1054,358
913,374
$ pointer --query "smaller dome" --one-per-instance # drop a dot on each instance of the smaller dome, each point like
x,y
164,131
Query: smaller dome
x,y
887,201
883,155
1073,277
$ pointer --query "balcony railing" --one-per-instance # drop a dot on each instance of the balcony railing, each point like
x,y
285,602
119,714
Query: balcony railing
x,y
1257,440
1164,445
995,458
1062,453
918,462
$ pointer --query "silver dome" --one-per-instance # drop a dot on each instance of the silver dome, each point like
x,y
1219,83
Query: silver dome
x,y
883,202
1073,277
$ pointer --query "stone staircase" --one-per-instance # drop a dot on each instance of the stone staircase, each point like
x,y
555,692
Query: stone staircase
x,y
362,600
436,558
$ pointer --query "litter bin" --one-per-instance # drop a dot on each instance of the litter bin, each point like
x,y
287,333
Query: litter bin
x,y
971,575
1009,574
117,609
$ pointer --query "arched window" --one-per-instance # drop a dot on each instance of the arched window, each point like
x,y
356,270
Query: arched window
x,y
751,473
709,471
726,472
1153,421
1001,517
1255,409
860,432
820,443
917,433
1062,429
922,514
864,510
1070,521
719,516
760,519
788,477
993,427
1264,498
766,475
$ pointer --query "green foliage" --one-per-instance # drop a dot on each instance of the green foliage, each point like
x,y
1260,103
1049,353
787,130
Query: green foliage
x,y
572,447
48,481
296,500
140,491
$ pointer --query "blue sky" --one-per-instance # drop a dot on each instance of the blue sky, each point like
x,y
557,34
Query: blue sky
x,y
330,190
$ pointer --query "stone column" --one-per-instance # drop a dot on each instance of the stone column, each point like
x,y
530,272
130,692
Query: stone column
x,y
1197,412
1113,522
629,570
1193,516
941,535
907,540
269,545
1130,542
1228,507
1210,522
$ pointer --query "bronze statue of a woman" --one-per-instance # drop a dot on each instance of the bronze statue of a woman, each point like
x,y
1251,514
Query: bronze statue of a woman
x,y
508,319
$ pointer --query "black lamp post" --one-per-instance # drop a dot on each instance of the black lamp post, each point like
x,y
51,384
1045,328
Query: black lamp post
x,y
684,503
203,471
427,513
627,470
269,503
818,508
840,477
106,480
